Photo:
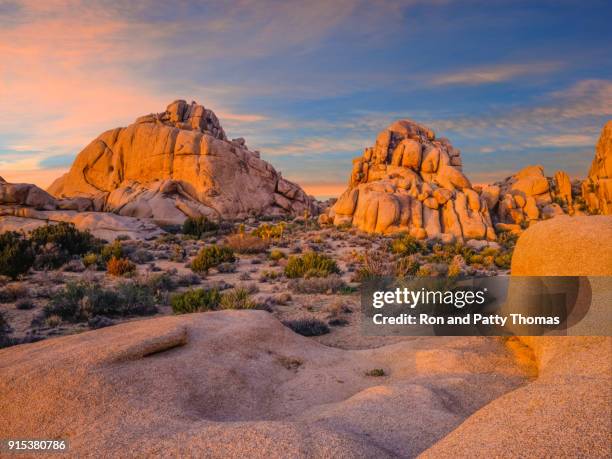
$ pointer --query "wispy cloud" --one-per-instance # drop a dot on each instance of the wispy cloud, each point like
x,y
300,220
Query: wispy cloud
x,y
493,74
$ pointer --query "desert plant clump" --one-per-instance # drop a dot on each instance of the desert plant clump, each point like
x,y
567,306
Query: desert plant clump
x,y
16,254
109,251
307,326
199,226
406,245
197,300
55,244
269,232
120,267
238,298
12,292
276,255
376,372
211,256
326,285
80,301
310,264
247,244
25,304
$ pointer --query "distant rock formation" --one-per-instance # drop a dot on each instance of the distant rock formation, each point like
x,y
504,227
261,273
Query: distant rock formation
x,y
175,164
24,207
528,196
410,181
597,188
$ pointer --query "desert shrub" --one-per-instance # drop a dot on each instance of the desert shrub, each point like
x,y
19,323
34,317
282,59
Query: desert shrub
x,y
91,260
503,260
330,284
245,243
268,274
211,256
310,264
12,292
507,239
406,266
25,304
120,266
16,255
115,249
238,298
276,255
187,279
226,268
307,326
81,301
197,300
198,226
375,263
267,231
66,236
141,256
406,245
136,299
159,283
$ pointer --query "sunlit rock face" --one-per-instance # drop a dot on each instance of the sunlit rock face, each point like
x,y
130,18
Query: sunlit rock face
x,y
411,181
597,188
179,163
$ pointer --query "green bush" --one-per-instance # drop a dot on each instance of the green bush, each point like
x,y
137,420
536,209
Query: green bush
x,y
504,260
238,298
211,256
56,244
16,255
267,231
81,301
199,226
406,245
197,300
310,264
109,251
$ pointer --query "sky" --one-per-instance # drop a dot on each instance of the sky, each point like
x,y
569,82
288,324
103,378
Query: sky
x,y
311,83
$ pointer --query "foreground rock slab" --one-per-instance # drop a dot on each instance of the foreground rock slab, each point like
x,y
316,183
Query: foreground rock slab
x,y
240,384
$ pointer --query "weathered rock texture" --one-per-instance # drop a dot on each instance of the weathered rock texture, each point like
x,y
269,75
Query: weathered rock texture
x,y
410,181
235,384
175,164
24,207
597,188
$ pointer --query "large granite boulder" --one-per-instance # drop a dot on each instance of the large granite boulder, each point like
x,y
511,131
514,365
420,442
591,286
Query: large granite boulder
x,y
175,164
410,181
597,188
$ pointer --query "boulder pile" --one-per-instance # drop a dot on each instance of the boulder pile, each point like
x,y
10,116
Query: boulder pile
x,y
597,188
528,196
177,164
411,181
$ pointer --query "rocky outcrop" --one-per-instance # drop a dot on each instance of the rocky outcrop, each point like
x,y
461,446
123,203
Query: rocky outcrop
x,y
409,181
175,164
24,207
572,388
597,188
528,196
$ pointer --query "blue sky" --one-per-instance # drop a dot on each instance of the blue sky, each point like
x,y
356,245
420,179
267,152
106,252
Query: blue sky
x,y
310,84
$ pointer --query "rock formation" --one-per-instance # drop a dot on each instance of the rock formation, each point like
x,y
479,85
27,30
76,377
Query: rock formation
x,y
528,196
597,188
24,207
410,181
175,164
